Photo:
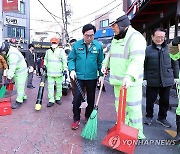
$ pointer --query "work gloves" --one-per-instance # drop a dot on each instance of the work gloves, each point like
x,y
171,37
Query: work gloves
x,y
73,74
7,82
144,83
5,72
176,81
127,82
44,68
101,80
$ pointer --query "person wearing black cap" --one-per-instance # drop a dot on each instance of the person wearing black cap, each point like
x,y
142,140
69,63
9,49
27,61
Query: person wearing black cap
x,y
29,55
83,63
127,53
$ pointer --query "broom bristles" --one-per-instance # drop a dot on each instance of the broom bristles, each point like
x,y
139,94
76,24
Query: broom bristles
x,y
90,129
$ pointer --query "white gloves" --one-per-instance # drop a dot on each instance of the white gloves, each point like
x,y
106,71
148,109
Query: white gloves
x,y
127,82
30,69
103,69
5,73
144,83
176,81
73,74
101,80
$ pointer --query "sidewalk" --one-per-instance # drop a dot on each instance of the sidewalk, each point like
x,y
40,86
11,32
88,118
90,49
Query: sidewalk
x,y
48,131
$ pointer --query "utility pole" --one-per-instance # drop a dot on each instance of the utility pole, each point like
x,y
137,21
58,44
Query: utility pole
x,y
1,23
65,14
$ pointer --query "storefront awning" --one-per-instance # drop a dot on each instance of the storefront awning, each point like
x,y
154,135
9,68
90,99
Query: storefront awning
x,y
108,32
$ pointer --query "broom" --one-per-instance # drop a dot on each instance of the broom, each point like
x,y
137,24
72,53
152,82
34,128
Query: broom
x,y
2,91
90,129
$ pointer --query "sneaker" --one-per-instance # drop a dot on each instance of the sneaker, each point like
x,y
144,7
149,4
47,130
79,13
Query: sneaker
x,y
50,104
16,105
148,121
58,102
75,125
164,122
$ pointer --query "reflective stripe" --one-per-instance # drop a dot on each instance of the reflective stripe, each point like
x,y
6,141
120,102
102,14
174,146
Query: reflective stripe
x,y
126,53
10,64
116,55
54,61
54,73
131,103
135,121
22,70
20,84
140,76
136,52
17,54
116,77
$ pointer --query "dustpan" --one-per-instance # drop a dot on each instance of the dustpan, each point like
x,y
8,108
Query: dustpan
x,y
122,137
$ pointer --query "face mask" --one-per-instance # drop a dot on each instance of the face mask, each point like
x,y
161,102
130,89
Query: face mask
x,y
54,46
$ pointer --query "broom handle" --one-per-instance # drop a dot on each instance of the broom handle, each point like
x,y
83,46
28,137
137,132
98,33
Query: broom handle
x,y
100,91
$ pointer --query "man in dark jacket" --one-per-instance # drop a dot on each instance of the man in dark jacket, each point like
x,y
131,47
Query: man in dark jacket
x,y
30,63
158,74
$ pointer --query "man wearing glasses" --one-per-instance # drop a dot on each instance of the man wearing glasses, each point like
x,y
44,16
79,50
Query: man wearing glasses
x,y
83,63
158,74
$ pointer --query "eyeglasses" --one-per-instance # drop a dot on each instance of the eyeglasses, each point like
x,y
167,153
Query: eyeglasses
x,y
89,36
160,37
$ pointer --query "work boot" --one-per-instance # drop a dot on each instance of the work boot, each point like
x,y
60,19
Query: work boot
x,y
50,104
16,105
177,138
58,102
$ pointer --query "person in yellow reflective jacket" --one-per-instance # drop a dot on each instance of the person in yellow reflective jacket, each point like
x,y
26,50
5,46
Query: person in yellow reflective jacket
x,y
174,49
55,62
126,62
17,70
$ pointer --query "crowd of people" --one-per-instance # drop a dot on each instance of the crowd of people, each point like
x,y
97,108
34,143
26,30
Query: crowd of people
x,y
130,61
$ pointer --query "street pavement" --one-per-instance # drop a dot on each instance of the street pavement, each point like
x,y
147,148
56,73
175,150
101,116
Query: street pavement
x,y
48,131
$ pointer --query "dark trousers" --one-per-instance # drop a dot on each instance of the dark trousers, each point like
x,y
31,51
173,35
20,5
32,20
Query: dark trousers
x,y
90,90
151,96
1,75
30,78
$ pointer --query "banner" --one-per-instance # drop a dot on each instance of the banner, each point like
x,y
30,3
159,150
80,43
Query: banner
x,y
10,5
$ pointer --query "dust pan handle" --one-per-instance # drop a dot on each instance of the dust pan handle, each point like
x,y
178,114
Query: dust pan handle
x,y
121,107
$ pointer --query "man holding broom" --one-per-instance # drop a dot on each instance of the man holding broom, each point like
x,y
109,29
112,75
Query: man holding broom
x,y
126,64
83,62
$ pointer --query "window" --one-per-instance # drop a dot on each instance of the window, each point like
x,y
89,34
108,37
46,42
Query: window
x,y
22,7
104,23
16,32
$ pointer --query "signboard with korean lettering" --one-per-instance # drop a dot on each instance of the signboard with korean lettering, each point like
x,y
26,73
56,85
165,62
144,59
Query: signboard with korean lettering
x,y
9,20
10,5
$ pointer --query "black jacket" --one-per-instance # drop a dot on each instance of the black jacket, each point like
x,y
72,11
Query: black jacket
x,y
29,58
157,66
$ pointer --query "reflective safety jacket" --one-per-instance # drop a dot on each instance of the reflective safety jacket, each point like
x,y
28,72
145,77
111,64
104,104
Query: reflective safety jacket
x,y
127,58
86,61
17,63
55,61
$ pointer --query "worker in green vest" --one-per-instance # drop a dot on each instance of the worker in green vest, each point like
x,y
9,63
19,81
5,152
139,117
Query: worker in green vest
x,y
174,49
126,64
17,70
55,62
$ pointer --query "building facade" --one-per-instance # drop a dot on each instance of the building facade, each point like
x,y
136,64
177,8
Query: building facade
x,y
16,23
104,33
